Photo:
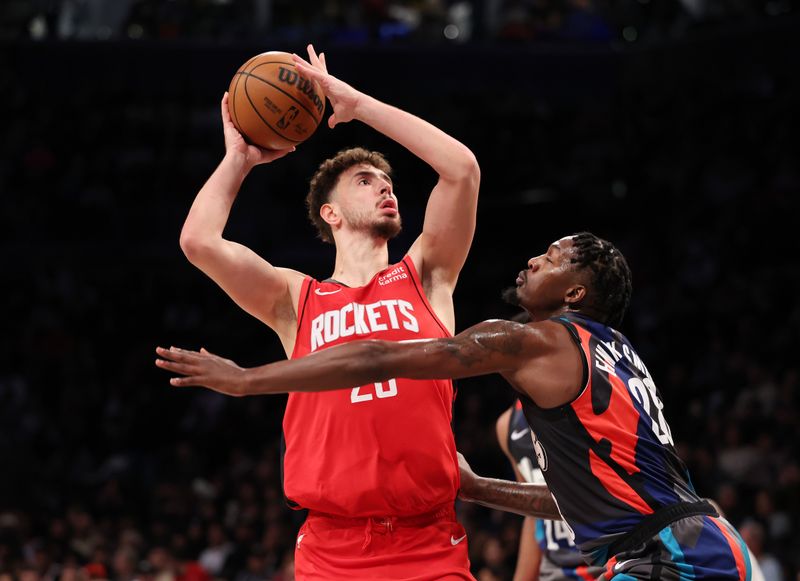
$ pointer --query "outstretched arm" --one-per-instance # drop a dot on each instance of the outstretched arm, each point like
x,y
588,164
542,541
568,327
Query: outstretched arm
x,y
488,347
519,497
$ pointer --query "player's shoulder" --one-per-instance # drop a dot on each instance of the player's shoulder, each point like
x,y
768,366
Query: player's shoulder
x,y
529,342
552,332
537,334
511,340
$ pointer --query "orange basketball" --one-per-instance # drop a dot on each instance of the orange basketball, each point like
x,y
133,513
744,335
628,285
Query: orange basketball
x,y
271,104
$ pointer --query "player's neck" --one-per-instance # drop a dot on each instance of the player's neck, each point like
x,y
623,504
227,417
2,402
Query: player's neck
x,y
544,315
540,315
359,258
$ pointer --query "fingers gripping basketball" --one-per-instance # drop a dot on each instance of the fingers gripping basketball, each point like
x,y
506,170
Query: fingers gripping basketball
x,y
272,104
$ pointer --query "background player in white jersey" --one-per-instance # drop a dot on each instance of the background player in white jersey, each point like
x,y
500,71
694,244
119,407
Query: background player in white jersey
x,y
353,204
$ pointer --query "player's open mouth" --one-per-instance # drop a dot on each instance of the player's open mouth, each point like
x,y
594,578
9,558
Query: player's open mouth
x,y
389,206
521,278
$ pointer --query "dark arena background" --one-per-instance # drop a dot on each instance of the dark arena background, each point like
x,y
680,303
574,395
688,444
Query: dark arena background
x,y
669,127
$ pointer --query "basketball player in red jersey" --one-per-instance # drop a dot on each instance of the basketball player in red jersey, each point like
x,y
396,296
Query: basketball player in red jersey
x,y
376,464
596,418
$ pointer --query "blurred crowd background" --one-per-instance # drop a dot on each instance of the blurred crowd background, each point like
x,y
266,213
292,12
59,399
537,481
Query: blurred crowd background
x,y
669,127
381,21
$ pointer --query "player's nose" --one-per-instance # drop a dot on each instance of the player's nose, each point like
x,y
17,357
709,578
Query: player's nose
x,y
533,263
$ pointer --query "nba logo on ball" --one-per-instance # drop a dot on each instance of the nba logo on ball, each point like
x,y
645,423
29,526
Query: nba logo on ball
x,y
288,117
272,105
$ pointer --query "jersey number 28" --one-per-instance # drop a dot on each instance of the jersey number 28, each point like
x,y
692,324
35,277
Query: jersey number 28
x,y
644,390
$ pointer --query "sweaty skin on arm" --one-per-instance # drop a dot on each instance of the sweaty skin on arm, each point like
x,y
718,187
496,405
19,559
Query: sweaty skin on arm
x,y
538,359
529,554
489,347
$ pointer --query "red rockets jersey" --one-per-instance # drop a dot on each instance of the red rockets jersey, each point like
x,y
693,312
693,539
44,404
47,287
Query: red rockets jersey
x,y
607,456
383,449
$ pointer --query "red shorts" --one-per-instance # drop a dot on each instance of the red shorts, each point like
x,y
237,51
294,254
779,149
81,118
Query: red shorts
x,y
420,548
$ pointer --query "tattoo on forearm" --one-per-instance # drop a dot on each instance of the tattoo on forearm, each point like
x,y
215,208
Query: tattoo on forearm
x,y
473,346
526,499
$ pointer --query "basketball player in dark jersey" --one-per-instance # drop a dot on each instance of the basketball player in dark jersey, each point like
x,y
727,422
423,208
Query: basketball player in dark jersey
x,y
597,420
379,506
546,551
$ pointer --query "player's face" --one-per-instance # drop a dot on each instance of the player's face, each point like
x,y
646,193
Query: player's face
x,y
544,285
366,201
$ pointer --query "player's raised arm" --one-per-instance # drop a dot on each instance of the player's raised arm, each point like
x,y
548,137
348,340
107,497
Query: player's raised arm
x,y
450,216
253,283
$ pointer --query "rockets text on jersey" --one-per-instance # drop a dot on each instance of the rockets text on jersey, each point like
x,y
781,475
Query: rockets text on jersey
x,y
359,320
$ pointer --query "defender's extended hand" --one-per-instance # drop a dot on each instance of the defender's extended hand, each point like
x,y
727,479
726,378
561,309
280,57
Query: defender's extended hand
x,y
202,368
342,96
236,145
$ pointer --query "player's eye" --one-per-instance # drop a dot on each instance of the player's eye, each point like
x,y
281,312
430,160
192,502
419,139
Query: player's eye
x,y
363,181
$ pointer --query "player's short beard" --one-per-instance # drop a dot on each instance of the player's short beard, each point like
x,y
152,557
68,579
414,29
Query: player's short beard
x,y
386,229
510,296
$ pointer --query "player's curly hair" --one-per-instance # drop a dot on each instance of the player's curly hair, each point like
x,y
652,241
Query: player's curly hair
x,y
610,275
326,176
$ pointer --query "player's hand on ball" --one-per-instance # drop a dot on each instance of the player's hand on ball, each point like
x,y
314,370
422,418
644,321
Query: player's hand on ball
x,y
236,145
201,368
342,96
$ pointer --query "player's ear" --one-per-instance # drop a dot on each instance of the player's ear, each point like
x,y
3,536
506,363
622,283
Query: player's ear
x,y
330,214
575,295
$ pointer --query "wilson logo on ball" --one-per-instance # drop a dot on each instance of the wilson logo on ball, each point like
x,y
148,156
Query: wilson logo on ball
x,y
291,77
